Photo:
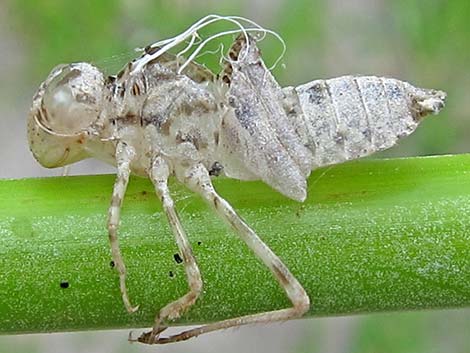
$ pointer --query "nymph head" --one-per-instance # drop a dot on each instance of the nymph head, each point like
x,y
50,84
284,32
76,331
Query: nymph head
x,y
64,109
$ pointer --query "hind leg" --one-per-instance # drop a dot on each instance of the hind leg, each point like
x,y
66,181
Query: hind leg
x,y
198,180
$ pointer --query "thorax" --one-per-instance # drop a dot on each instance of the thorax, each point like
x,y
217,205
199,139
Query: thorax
x,y
160,113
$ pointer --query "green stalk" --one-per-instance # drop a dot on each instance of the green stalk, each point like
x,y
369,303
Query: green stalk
x,y
374,235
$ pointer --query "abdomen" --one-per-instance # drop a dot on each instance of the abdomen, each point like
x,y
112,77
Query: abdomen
x,y
349,117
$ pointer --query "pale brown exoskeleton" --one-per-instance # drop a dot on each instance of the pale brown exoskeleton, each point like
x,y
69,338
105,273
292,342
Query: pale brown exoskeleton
x,y
163,116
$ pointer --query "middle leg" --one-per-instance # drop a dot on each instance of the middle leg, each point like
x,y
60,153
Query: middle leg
x,y
159,176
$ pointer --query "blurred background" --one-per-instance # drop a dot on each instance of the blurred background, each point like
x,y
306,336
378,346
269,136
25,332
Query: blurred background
x,y
424,42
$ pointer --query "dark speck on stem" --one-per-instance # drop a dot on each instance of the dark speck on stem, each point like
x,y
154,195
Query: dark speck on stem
x,y
177,258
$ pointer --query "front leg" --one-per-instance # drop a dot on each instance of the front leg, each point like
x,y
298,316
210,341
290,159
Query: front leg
x,y
124,156
159,175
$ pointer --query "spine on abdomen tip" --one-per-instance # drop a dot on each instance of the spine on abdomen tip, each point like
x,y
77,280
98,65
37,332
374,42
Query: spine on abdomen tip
x,y
349,117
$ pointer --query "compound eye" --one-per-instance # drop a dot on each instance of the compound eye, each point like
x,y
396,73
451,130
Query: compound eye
x,y
72,98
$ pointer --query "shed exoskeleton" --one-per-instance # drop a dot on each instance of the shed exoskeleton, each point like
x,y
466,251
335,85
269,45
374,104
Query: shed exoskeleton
x,y
162,116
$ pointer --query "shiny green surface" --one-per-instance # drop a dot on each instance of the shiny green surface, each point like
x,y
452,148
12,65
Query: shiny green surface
x,y
372,236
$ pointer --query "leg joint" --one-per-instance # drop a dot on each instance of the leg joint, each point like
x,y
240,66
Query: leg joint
x,y
302,304
112,229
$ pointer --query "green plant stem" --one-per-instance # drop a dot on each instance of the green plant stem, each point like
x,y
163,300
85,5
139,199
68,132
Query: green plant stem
x,y
374,235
